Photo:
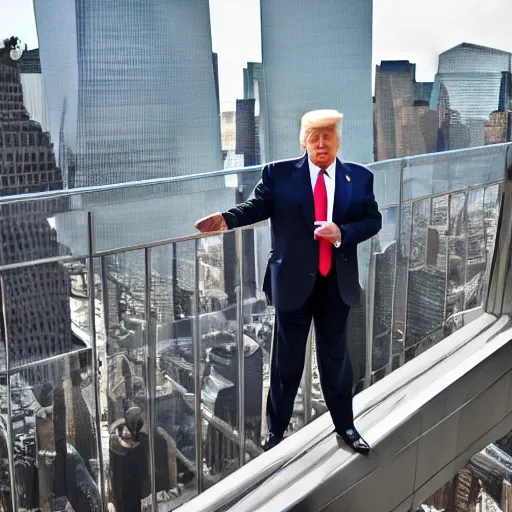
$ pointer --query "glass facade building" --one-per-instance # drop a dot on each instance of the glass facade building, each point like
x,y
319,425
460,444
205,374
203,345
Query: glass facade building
x,y
316,55
131,89
466,91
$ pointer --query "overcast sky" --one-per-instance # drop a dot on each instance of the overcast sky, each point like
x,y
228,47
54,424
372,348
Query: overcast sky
x,y
417,30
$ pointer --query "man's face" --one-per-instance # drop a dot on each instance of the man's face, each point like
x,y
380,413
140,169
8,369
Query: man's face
x,y
322,145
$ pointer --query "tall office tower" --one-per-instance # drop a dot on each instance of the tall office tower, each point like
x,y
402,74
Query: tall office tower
x,y
254,89
404,123
466,91
35,300
131,88
317,55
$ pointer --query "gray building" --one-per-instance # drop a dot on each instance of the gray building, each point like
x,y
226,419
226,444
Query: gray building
x,y
466,91
131,88
317,55
404,124
35,300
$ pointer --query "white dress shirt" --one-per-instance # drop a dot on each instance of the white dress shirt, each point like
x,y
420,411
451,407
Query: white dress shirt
x,y
330,183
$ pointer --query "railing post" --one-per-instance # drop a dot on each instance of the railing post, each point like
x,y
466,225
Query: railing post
x,y
398,252
196,341
466,248
370,307
307,381
10,439
94,350
150,343
406,291
240,343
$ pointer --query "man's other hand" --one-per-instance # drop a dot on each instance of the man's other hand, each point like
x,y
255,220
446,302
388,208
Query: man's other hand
x,y
327,231
214,222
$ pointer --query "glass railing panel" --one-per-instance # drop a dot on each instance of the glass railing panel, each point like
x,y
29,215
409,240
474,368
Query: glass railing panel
x,y
125,418
387,181
425,287
43,311
151,215
142,214
383,275
173,303
39,229
54,434
439,173
219,293
258,325
452,242
357,322
401,284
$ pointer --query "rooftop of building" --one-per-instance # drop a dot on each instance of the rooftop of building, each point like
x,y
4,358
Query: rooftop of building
x,y
476,47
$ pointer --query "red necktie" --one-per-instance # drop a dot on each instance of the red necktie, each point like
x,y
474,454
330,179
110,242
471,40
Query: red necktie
x,y
320,197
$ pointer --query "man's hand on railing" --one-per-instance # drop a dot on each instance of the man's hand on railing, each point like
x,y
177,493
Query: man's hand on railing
x,y
214,222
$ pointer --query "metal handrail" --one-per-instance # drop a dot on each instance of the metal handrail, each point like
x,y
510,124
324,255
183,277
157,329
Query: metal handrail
x,y
56,194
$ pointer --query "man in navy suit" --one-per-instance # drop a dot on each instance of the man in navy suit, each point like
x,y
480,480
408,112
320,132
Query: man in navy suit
x,y
320,209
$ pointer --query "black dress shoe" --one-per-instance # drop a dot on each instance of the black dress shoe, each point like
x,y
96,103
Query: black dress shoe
x,y
353,439
270,441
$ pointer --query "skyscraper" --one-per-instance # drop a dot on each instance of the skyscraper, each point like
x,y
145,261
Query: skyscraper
x,y
404,124
35,300
466,91
317,55
131,88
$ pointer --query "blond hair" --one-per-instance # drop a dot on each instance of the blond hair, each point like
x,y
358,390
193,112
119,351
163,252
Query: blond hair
x,y
319,119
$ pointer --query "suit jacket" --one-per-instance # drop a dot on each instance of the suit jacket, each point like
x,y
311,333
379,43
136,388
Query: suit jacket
x,y
284,194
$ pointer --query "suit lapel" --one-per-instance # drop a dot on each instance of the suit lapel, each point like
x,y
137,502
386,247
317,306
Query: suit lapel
x,y
301,174
342,193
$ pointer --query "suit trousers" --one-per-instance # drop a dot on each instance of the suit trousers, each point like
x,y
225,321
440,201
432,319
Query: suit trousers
x,y
329,313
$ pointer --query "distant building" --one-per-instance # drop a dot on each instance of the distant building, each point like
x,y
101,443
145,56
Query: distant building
x,y
132,89
499,126
35,300
229,134
254,89
247,142
404,125
466,91
316,55
28,162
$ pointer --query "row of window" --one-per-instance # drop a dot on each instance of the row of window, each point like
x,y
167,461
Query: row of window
x,y
17,138
26,156
15,96
29,179
25,125
13,88
27,168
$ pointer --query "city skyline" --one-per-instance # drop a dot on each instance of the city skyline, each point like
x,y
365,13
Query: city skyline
x,y
399,33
